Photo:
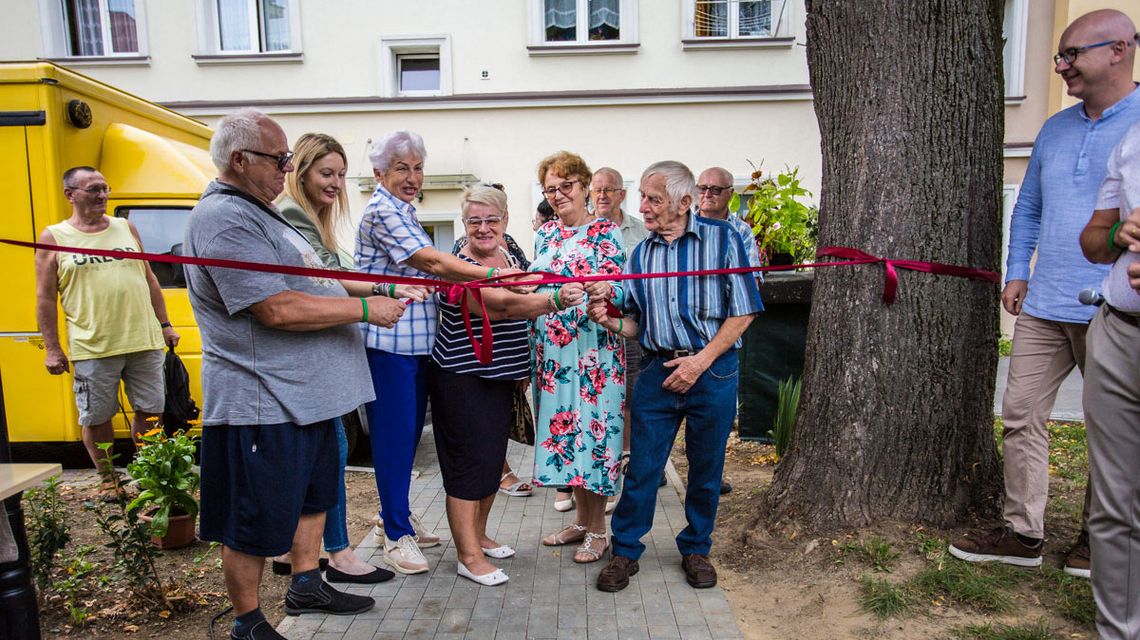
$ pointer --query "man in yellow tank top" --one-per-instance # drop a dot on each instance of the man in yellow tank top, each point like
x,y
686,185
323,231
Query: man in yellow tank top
x,y
116,317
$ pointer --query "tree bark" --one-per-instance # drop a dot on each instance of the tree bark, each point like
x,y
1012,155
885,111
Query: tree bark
x,y
896,417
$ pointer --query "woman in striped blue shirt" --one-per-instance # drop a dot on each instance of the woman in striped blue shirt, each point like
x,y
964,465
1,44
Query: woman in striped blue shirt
x,y
472,443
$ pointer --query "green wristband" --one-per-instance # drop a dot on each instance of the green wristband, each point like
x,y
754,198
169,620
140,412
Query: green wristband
x,y
364,305
1112,246
491,272
391,291
621,321
557,302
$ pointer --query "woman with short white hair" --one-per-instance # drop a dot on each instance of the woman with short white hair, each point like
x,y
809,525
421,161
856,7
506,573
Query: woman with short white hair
x,y
391,242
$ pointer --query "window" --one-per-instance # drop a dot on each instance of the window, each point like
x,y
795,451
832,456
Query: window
x,y
161,231
744,20
94,29
415,66
582,23
1013,28
248,27
418,72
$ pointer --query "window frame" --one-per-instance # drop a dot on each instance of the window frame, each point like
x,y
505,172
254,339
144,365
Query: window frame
x,y
55,36
1015,27
536,31
164,270
209,42
393,47
782,37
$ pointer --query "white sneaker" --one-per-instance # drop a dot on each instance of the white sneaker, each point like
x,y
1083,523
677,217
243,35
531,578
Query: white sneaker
x,y
404,555
424,538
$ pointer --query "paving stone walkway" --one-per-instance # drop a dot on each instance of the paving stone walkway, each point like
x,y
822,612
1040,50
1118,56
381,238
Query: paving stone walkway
x,y
548,596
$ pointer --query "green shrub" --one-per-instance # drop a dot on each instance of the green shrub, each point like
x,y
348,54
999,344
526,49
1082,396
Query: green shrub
x,y
48,529
786,407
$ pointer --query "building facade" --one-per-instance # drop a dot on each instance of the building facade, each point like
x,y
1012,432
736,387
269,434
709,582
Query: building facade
x,y
493,87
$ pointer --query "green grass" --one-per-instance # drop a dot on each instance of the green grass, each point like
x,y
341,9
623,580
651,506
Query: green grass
x,y
1035,631
980,587
1005,347
1071,597
883,599
1068,450
875,552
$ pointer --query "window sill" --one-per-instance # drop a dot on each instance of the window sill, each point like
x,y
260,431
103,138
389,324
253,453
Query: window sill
x,y
1013,101
287,57
102,61
578,49
737,43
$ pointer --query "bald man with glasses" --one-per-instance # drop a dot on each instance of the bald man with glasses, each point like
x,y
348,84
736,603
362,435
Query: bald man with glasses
x,y
1069,161
714,190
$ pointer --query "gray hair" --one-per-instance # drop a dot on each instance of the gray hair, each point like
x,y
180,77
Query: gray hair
x,y
612,172
679,181
238,130
395,144
483,194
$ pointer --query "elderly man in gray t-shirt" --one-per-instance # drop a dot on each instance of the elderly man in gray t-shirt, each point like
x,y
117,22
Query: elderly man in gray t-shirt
x,y
281,357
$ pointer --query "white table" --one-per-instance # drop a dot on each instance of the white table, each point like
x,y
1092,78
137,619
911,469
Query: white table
x,y
17,595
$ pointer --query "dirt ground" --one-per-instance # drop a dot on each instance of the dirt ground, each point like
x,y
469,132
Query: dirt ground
x,y
803,588
193,574
779,588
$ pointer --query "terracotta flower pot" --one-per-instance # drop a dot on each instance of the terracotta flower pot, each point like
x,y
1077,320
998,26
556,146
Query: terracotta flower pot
x,y
179,533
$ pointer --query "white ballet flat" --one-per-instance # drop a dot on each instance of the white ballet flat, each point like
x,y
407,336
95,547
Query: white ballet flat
x,y
499,552
492,579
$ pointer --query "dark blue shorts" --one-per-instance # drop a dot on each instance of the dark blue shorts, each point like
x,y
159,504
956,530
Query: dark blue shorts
x,y
257,481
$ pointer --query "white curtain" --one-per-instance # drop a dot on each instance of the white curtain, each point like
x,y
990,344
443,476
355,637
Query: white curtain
x,y
562,14
605,12
233,25
86,27
275,21
124,29
756,18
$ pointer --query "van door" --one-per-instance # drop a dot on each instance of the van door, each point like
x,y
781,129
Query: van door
x,y
36,403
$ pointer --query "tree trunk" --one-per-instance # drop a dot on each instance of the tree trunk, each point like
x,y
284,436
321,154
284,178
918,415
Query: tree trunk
x,y
896,416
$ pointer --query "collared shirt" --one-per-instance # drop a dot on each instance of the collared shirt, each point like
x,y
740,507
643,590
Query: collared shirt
x,y
1121,190
749,240
632,232
389,234
1068,164
686,312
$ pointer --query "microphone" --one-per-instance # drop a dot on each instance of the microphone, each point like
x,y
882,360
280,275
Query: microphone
x,y
1091,296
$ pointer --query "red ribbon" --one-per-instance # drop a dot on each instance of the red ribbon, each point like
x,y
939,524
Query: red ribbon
x,y
456,291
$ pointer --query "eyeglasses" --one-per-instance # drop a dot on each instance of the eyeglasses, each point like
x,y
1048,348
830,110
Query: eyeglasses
x,y
1070,55
93,190
282,159
566,188
712,189
607,191
475,223
495,185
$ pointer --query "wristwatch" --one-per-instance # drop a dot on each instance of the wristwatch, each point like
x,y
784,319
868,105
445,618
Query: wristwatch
x,y
377,289
165,325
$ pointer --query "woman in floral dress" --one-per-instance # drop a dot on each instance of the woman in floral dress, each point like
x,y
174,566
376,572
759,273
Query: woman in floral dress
x,y
579,367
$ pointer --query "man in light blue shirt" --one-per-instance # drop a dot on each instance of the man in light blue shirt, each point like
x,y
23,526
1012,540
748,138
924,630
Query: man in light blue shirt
x,y
1068,164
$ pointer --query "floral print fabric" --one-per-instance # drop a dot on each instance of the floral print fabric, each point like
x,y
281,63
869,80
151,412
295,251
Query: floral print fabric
x,y
579,368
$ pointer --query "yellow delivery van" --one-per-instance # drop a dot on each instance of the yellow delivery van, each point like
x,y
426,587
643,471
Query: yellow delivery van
x,y
157,164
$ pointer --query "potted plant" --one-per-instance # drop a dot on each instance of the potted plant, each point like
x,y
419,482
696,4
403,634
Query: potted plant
x,y
784,227
164,469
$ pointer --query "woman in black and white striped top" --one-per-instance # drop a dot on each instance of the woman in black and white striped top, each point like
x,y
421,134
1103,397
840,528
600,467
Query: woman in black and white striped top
x,y
472,402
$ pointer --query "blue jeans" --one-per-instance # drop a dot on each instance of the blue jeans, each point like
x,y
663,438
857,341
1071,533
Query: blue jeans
x,y
708,410
336,530
395,424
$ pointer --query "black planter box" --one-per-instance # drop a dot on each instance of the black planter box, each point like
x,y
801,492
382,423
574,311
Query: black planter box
x,y
773,349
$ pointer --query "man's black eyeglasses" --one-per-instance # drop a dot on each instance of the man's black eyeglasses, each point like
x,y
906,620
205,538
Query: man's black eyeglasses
x,y
1070,55
283,159
495,185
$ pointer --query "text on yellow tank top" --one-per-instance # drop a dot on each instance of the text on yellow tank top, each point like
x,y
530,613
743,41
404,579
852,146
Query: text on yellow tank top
x,y
106,301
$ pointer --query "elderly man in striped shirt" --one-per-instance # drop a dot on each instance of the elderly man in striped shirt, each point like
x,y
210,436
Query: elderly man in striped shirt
x,y
689,328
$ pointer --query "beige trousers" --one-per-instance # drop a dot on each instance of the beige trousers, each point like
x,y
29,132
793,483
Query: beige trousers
x,y
1112,415
1044,353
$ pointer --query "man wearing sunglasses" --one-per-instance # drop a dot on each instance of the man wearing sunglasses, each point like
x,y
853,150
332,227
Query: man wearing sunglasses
x,y
714,190
1069,161
282,355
